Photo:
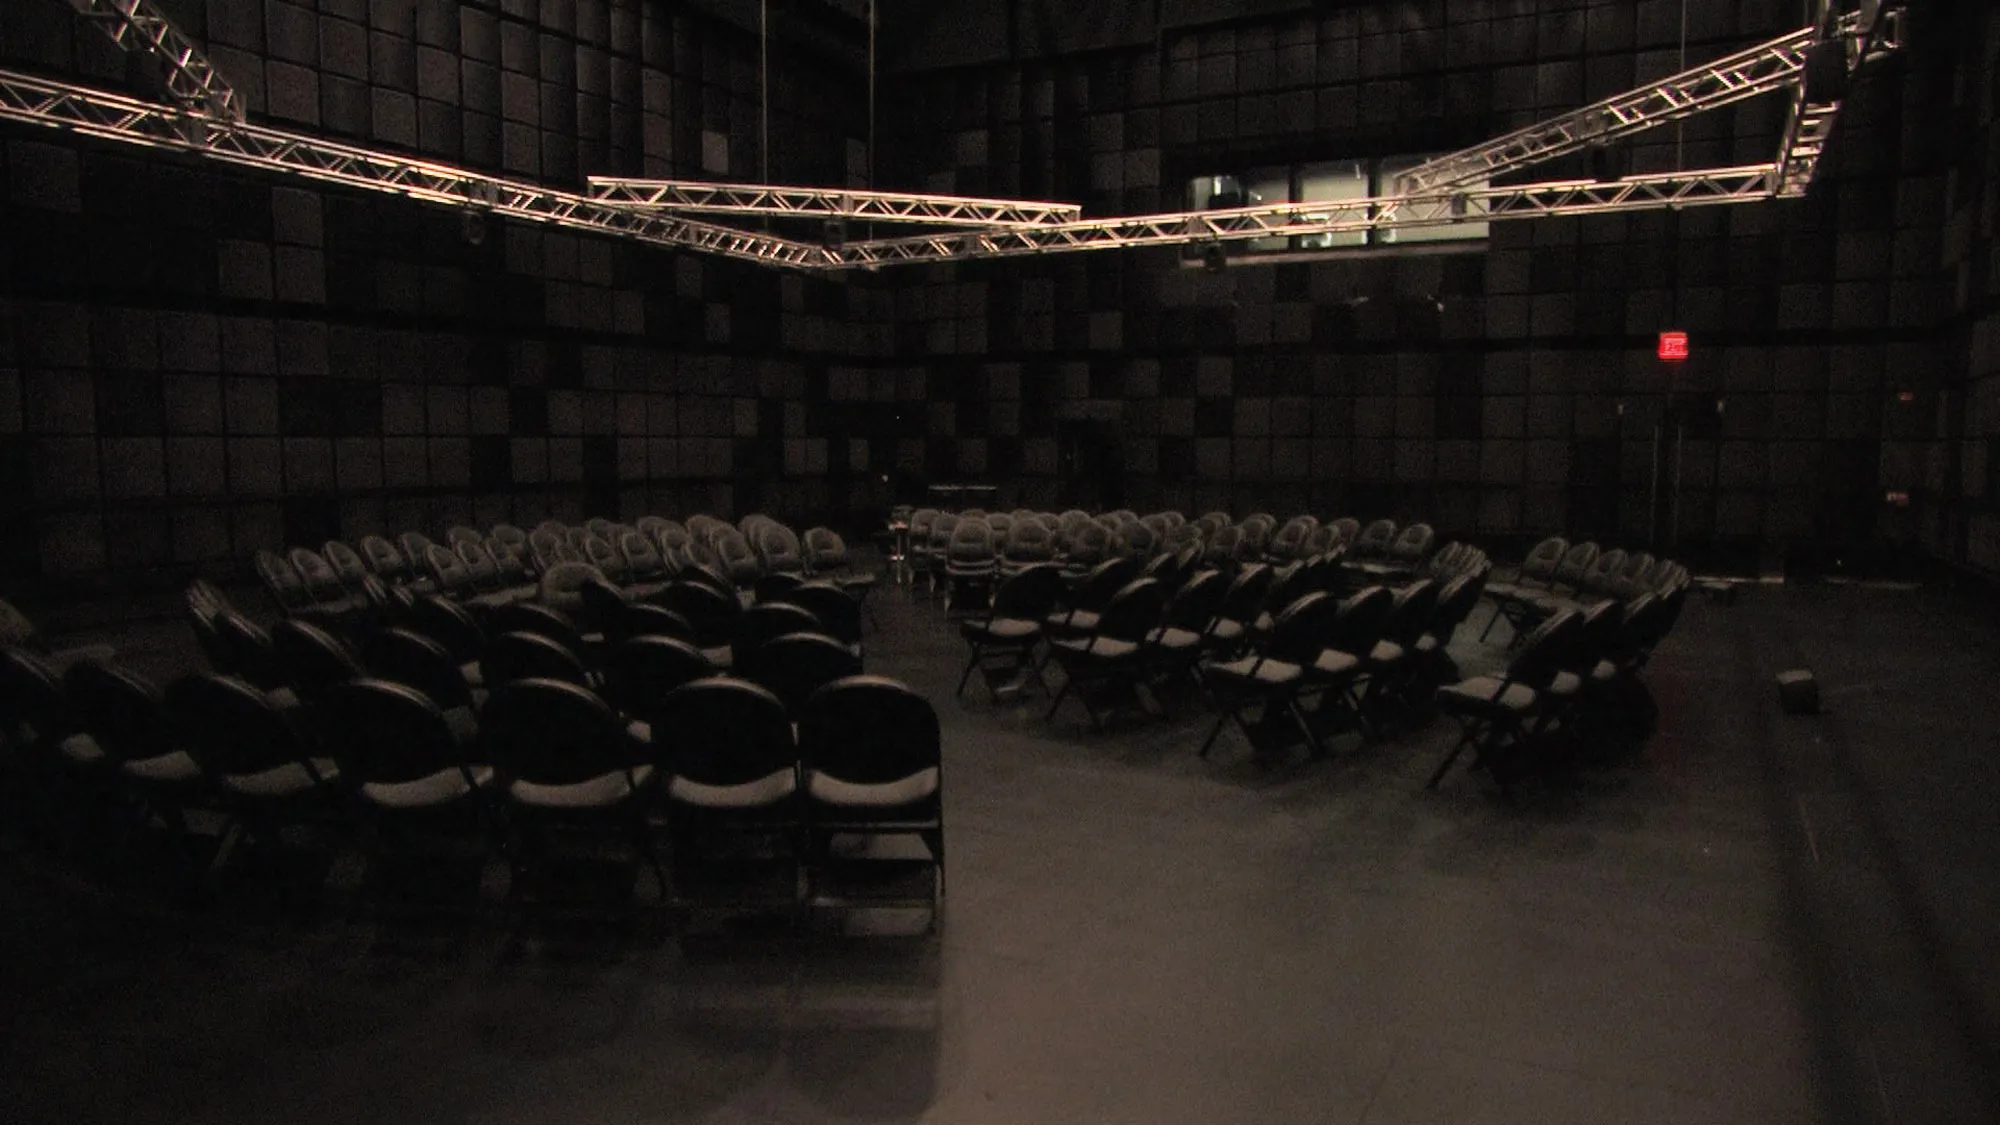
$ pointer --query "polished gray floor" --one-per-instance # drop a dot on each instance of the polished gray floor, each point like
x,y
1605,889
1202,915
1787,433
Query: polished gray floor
x,y
1767,919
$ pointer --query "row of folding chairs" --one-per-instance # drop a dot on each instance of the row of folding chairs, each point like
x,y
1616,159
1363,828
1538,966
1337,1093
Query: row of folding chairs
x,y
947,546
507,564
1571,691
723,758
1558,575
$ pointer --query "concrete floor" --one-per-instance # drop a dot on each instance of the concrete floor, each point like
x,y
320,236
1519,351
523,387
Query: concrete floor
x,y
1766,920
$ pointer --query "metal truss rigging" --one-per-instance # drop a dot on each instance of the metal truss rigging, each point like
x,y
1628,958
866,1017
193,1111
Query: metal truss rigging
x,y
192,81
827,203
114,117
1435,208
1763,69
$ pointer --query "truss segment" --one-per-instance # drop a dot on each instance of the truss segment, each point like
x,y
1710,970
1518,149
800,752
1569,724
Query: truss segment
x,y
1423,209
139,26
827,203
114,117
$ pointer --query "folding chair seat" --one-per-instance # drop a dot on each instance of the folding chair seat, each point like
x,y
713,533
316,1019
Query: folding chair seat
x,y
1011,629
872,757
762,623
311,660
414,660
838,612
712,613
567,769
1271,679
795,665
528,656
640,672
1499,716
731,794
1110,661
1077,614
18,631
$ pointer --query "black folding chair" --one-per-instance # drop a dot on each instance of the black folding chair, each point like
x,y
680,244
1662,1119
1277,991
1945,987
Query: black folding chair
x,y
1002,643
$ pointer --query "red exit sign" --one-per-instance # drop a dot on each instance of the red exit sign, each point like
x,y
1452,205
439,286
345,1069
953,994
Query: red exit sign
x,y
1673,346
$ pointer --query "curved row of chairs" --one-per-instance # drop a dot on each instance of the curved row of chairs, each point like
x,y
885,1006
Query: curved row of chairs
x,y
1557,575
507,564
651,741
957,548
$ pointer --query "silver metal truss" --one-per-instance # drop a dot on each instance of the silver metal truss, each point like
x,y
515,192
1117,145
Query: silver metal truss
x,y
115,117
192,81
1763,69
1422,209
827,203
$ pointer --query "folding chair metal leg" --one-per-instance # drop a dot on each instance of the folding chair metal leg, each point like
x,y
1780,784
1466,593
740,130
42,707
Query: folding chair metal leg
x,y
971,662
1466,737
1059,697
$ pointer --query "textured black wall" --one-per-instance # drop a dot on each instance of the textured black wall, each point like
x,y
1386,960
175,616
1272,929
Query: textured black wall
x,y
197,362
1509,391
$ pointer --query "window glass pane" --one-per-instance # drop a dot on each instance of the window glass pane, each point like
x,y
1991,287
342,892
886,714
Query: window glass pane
x,y
1341,180
1206,192
1265,186
1385,184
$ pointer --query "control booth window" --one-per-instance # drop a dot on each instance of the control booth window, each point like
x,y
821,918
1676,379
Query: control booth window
x,y
1332,181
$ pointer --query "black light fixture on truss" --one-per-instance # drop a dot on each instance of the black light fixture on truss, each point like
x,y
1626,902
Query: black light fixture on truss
x,y
203,117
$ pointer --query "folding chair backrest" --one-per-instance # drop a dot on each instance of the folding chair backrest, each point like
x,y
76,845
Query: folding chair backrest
x,y
447,568
1223,546
32,704
345,562
712,612
766,621
388,733
642,556
1362,619
121,710
313,660
1088,545
562,584
1197,601
414,545
541,620
1029,595
1245,597
778,546
1346,530
1300,631
1545,651
462,534
1212,522
640,672
1103,583
1133,611
869,730
971,542
281,580
449,625
795,665
1412,542
480,566
1411,611
1139,540
838,613
824,550
1542,561
1576,562
1375,539
383,558
552,732
409,658
230,728
724,731
528,656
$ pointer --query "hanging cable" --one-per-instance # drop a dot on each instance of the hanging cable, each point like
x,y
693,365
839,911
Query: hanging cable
x,y
764,90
